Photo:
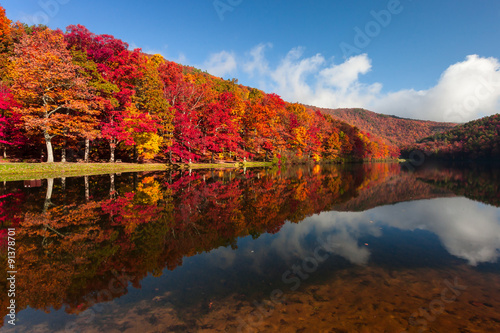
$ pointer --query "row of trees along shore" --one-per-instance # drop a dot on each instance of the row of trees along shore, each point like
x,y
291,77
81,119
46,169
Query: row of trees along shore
x,y
75,95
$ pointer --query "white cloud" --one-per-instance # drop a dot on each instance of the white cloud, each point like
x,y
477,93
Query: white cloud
x,y
258,63
290,77
346,74
313,81
466,90
316,82
467,229
221,64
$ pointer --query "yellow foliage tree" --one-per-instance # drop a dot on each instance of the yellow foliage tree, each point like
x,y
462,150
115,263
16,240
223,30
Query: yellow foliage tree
x,y
150,98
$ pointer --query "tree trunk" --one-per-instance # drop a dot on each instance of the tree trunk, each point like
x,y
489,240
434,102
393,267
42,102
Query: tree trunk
x,y
87,150
212,160
4,152
48,195
112,154
63,152
112,186
87,189
50,151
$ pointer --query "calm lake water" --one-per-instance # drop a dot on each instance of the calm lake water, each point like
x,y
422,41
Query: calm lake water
x,y
358,248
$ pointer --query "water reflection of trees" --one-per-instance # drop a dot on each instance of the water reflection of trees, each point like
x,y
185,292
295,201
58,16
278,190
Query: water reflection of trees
x,y
480,182
82,240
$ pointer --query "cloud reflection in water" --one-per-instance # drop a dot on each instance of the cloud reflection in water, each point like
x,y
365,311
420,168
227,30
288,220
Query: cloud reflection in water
x,y
467,229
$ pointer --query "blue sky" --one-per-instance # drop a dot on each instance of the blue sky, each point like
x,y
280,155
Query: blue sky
x,y
416,58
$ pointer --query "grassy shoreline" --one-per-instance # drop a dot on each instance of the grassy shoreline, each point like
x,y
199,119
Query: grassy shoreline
x,y
26,171
12,171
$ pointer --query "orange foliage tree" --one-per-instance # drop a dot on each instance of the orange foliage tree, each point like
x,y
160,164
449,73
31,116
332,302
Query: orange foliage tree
x,y
53,92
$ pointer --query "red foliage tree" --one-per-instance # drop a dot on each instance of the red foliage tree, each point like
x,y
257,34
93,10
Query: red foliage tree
x,y
10,121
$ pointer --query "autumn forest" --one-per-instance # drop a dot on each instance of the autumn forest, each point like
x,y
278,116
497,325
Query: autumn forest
x,y
78,96
63,92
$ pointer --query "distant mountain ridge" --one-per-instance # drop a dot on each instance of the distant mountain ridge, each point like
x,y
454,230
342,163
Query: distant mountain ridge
x,y
392,129
477,139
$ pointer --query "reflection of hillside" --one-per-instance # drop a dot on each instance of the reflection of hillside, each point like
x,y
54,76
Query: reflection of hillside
x,y
399,188
478,182
86,239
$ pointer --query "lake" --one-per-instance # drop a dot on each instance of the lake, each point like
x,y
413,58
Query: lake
x,y
353,248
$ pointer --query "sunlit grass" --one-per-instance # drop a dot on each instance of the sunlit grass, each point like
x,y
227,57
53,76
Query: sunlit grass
x,y
25,171
22,171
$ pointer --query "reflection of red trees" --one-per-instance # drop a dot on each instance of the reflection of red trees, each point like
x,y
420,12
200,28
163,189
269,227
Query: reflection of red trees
x,y
125,213
9,208
9,214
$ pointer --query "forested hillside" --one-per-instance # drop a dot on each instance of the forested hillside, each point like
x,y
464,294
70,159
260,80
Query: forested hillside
x,y
394,130
76,95
478,139
79,96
